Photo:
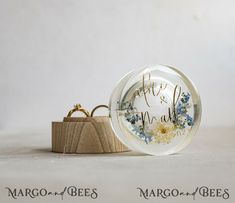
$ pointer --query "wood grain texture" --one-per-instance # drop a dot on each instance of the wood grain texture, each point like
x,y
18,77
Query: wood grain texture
x,y
85,135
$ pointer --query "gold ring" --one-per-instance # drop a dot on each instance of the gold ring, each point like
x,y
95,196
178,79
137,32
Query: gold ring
x,y
99,106
78,107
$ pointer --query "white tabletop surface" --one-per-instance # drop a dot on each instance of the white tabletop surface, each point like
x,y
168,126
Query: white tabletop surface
x,y
26,161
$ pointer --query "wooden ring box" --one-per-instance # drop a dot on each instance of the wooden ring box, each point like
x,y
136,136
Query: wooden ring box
x,y
85,135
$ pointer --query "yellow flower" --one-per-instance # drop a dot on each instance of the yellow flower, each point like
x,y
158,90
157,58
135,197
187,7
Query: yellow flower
x,y
163,132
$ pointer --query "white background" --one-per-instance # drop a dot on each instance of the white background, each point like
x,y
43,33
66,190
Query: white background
x,y
55,53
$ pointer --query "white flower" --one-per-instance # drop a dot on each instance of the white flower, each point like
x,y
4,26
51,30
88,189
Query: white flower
x,y
163,132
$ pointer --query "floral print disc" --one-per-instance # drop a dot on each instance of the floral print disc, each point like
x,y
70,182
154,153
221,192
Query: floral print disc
x,y
155,110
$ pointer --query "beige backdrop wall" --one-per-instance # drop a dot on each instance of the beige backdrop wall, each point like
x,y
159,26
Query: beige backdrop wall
x,y
56,53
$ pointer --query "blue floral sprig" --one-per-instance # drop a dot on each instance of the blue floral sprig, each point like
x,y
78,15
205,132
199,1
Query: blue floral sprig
x,y
134,119
141,134
183,119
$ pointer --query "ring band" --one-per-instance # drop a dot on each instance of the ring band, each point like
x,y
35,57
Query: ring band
x,y
97,107
78,107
